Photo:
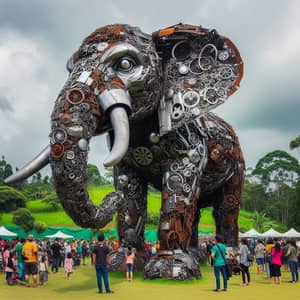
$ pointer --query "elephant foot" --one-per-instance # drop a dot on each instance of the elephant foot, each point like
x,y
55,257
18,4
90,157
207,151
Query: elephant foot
x,y
117,260
173,264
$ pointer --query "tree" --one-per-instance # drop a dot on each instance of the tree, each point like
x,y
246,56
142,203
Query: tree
x,y
279,173
295,143
10,199
5,169
94,177
23,218
40,227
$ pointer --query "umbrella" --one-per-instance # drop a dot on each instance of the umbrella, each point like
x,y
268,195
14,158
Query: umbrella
x,y
59,235
291,233
272,233
5,232
250,233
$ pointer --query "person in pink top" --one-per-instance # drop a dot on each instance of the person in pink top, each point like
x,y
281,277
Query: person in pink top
x,y
276,253
129,264
68,265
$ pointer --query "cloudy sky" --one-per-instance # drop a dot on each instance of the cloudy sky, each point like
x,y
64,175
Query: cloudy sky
x,y
37,37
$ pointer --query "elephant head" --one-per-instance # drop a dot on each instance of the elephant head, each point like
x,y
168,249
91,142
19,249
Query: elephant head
x,y
120,75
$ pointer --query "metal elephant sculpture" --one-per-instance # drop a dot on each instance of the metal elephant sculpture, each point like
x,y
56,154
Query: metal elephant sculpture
x,y
153,96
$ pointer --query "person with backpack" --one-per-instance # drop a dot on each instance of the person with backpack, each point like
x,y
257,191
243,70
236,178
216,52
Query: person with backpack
x,y
218,252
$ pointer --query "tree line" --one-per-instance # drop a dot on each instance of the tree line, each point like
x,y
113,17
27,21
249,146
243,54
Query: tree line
x,y
271,190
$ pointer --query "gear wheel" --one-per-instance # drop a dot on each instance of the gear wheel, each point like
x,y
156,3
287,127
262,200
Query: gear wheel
x,y
143,156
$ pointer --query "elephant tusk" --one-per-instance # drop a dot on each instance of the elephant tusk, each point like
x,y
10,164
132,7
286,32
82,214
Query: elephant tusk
x,y
120,125
40,161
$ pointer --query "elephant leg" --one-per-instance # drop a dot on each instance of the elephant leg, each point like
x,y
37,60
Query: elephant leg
x,y
179,207
132,216
226,209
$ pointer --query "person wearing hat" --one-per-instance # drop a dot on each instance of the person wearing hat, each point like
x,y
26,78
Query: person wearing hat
x,y
29,252
100,260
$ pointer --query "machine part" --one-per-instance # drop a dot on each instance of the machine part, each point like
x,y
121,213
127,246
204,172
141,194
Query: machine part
x,y
223,55
70,155
154,138
57,150
75,96
174,182
195,67
102,46
191,98
183,69
122,181
226,73
59,136
181,50
83,144
165,226
178,111
143,156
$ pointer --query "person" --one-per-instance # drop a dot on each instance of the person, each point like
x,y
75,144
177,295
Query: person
x,y
244,262
259,256
43,267
100,260
10,267
30,257
292,260
218,252
68,265
55,252
276,254
18,249
268,249
129,264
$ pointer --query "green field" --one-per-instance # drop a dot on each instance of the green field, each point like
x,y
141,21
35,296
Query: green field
x,y
43,213
83,286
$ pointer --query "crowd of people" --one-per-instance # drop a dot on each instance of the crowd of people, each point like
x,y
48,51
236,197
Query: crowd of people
x,y
22,259
269,255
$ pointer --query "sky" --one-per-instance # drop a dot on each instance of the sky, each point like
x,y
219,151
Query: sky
x,y
37,37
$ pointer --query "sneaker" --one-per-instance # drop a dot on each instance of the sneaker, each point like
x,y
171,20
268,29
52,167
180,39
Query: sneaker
x,y
224,290
110,292
217,290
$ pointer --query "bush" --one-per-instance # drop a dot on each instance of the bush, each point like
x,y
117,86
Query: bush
x,y
11,199
52,200
23,218
40,227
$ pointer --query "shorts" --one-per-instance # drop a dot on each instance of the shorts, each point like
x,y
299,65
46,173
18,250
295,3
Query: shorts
x,y
31,268
260,261
129,267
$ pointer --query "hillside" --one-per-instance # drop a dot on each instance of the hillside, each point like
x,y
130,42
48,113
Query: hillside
x,y
43,213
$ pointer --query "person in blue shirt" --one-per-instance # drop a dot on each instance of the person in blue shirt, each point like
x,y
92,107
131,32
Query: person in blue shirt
x,y
218,253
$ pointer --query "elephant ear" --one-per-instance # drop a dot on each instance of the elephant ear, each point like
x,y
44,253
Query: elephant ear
x,y
201,69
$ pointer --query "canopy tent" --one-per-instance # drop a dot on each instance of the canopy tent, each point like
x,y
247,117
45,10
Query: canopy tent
x,y
292,233
6,233
59,235
250,233
272,233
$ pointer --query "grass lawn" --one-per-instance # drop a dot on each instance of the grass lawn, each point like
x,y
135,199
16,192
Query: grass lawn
x,y
83,286
42,212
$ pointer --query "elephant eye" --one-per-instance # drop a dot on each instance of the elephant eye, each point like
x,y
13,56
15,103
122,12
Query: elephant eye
x,y
125,64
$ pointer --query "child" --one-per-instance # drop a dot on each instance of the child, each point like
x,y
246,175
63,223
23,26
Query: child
x,y
68,265
129,264
43,266
10,267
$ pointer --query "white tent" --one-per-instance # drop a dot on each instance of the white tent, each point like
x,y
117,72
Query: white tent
x,y
251,233
5,232
272,233
59,235
292,233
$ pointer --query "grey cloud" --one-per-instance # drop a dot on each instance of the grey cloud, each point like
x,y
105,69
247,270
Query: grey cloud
x,y
5,104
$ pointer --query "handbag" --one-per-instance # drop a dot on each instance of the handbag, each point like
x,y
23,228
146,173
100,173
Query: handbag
x,y
227,268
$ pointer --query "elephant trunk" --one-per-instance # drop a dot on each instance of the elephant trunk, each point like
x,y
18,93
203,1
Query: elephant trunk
x,y
70,135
